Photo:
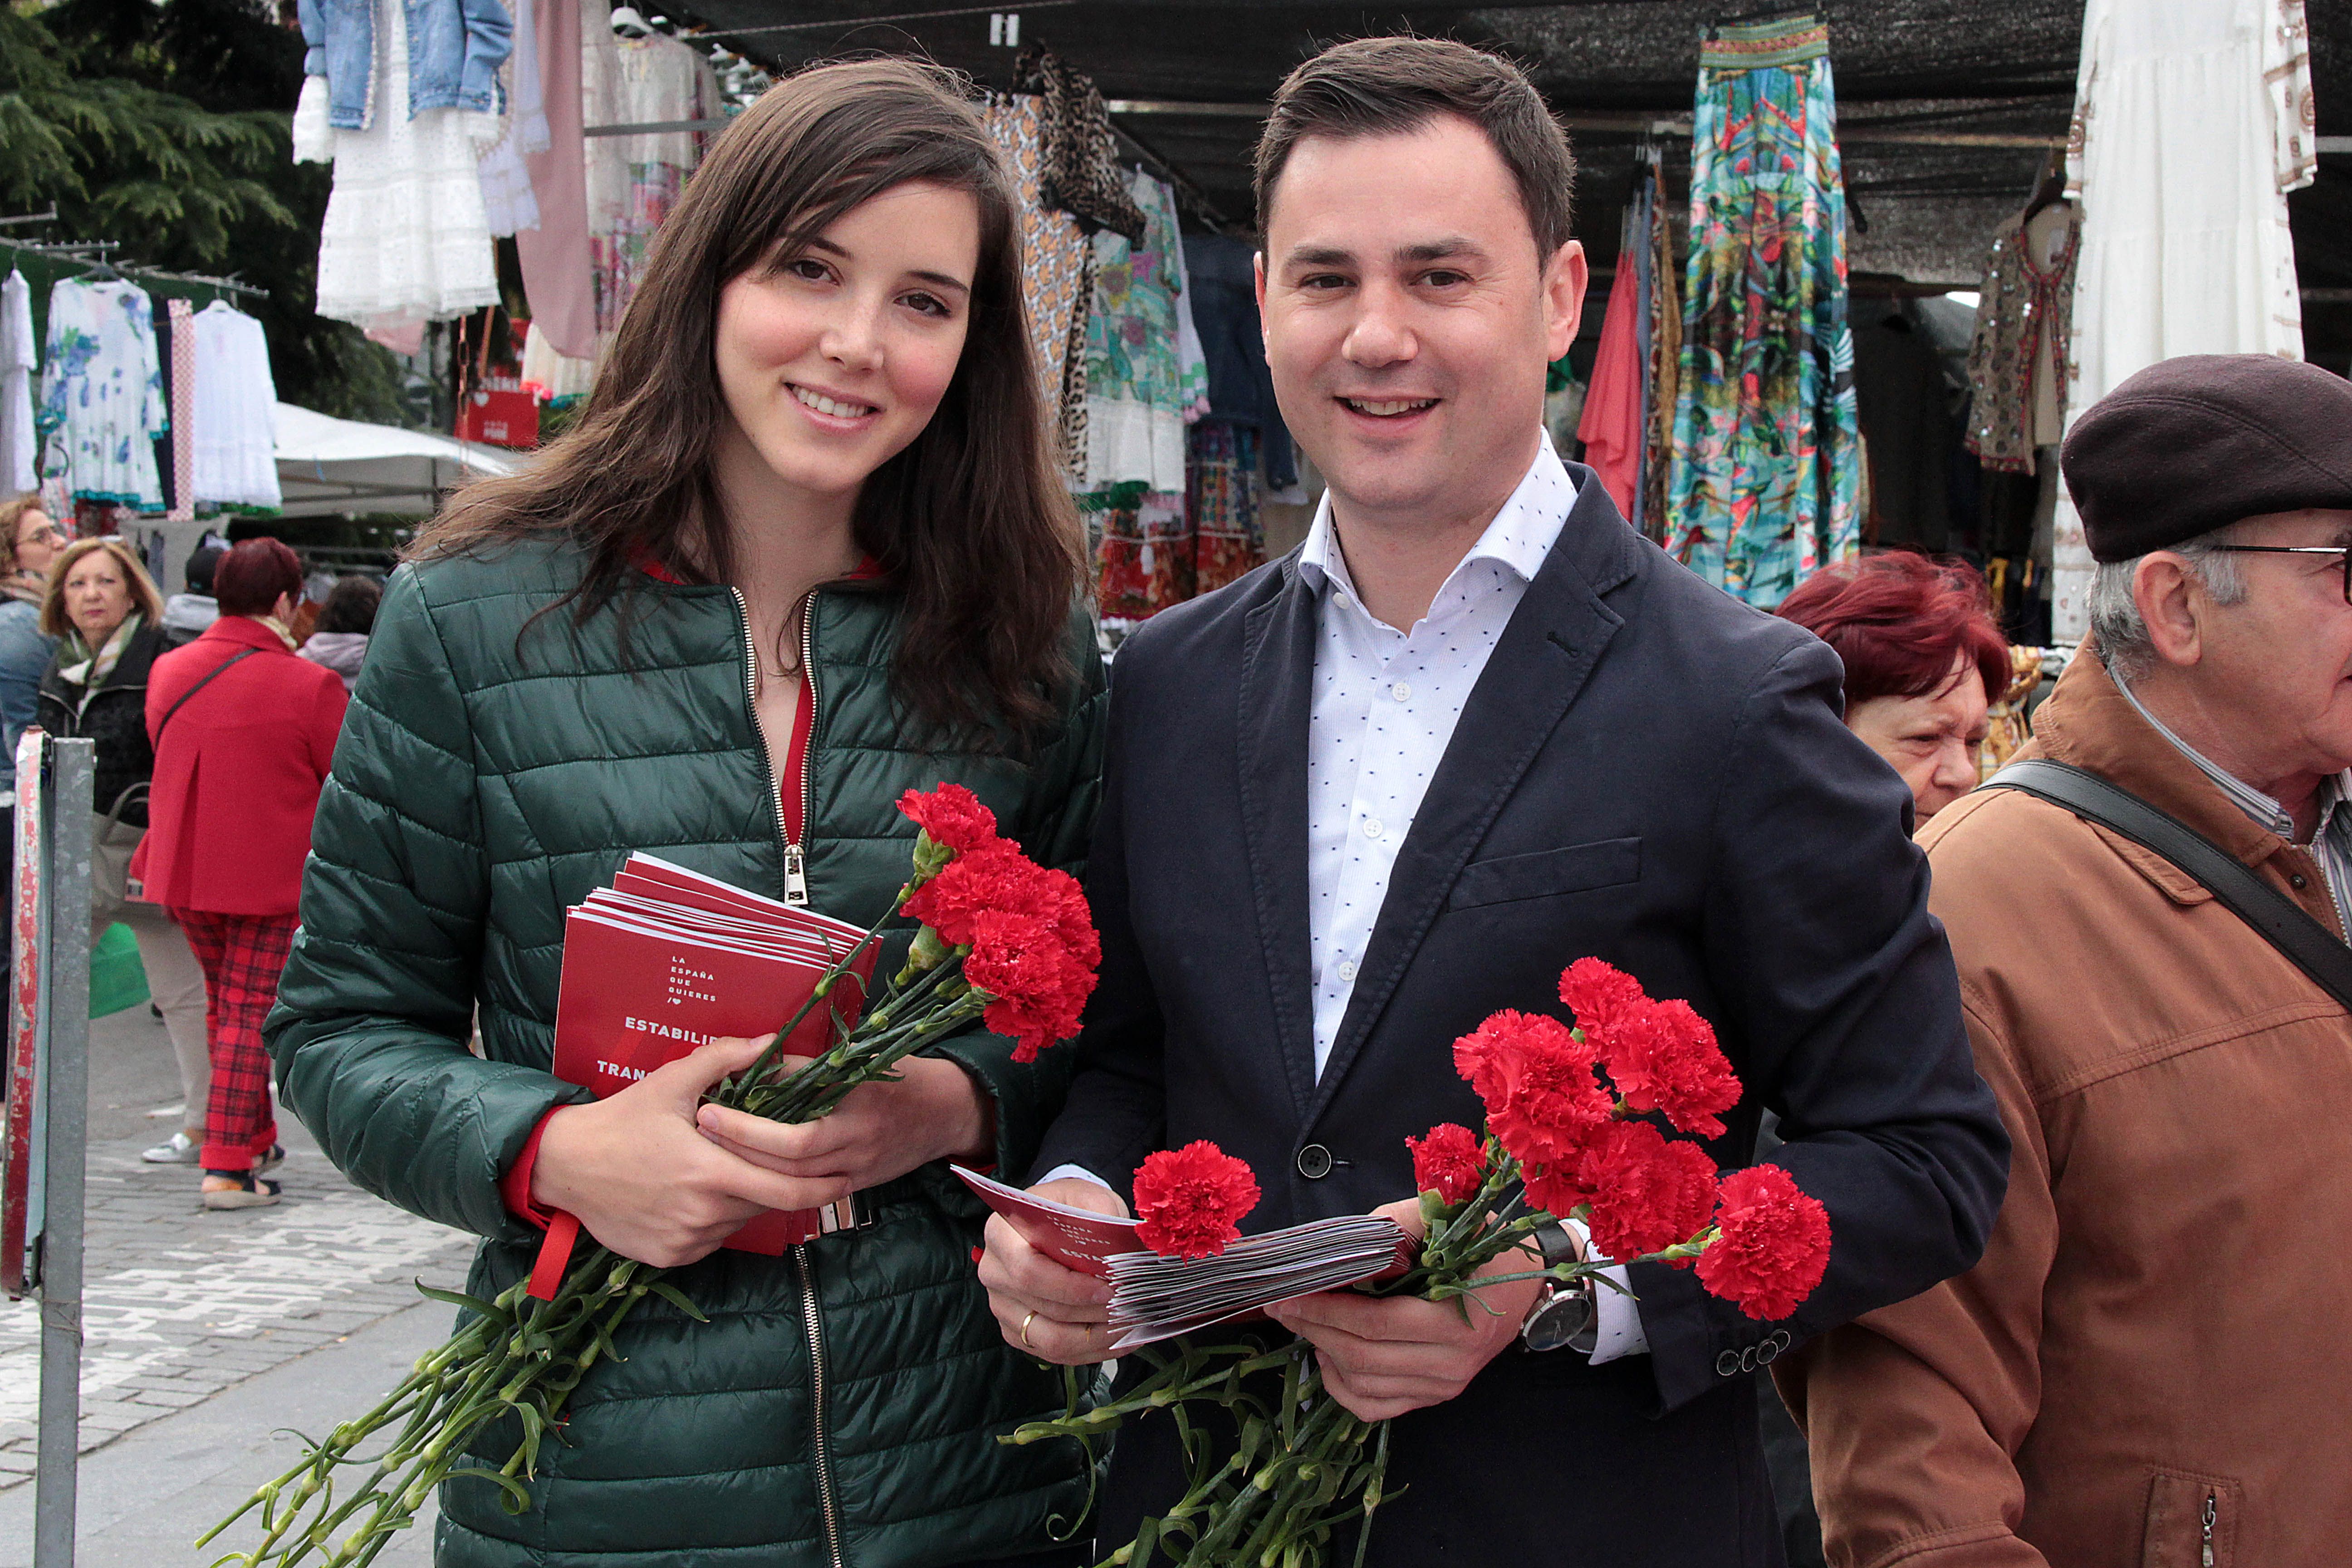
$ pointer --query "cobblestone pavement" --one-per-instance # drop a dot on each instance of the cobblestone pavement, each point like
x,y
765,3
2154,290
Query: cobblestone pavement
x,y
181,1303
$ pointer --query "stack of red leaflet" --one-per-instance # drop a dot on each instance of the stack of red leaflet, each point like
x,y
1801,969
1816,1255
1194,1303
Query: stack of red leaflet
x,y
667,959
1155,1297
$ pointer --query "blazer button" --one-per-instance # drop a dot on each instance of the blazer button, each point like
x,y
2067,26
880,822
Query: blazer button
x,y
1315,1161
1767,1353
1727,1364
1747,1359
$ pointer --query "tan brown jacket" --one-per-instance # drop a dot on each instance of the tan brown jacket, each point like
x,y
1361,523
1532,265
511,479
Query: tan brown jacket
x,y
2163,1319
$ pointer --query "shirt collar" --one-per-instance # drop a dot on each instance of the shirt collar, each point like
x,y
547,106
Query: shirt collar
x,y
2333,792
1519,539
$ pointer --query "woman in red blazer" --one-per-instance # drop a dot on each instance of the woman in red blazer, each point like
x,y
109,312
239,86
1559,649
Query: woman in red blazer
x,y
244,733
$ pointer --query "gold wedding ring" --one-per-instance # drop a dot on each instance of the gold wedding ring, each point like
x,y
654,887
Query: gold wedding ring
x,y
1024,1331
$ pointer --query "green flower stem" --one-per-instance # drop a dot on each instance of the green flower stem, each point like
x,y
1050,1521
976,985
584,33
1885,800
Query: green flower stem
x,y
733,1096
522,1358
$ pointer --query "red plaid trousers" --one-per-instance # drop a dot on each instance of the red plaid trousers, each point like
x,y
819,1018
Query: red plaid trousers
x,y
242,957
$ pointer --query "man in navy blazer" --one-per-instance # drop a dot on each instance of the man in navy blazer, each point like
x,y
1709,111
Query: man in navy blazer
x,y
1473,729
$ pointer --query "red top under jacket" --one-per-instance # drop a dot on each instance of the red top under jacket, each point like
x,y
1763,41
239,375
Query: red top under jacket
x,y
238,771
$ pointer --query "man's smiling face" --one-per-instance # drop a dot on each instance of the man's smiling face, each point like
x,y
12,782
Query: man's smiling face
x,y
1409,320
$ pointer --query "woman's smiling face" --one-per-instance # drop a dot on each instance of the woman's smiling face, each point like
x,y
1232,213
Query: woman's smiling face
x,y
831,359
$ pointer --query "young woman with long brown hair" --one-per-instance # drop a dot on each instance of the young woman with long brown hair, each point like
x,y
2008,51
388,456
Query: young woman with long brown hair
x,y
805,550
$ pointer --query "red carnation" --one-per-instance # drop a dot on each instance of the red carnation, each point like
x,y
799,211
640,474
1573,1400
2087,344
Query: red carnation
x,y
1662,1056
1191,1200
1538,1083
994,877
951,816
1647,1194
1059,901
1450,1162
1599,995
1774,1247
1036,985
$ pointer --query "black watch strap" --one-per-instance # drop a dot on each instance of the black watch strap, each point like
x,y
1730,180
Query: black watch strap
x,y
1551,1238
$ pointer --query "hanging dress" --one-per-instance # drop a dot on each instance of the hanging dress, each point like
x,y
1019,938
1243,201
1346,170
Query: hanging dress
x,y
406,239
233,420
1768,466
2193,120
102,395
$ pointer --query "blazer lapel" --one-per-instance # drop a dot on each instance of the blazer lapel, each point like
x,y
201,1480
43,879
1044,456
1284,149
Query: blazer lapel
x,y
1538,665
1276,696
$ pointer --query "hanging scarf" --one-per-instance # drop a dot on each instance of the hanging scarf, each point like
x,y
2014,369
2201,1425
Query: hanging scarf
x,y
91,668
26,587
285,633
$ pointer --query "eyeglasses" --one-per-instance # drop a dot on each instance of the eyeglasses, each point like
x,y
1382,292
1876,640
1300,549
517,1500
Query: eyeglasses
x,y
2340,551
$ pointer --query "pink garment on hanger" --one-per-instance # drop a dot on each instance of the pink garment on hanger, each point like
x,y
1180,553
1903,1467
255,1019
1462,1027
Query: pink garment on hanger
x,y
556,270
1612,427
183,317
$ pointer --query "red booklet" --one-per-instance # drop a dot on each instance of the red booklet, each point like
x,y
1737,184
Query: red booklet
x,y
1155,1297
668,960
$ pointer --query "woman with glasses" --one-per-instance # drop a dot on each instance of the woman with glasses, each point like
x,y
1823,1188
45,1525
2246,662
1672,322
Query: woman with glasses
x,y
32,542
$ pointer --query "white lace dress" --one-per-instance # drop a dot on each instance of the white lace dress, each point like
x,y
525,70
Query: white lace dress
x,y
407,238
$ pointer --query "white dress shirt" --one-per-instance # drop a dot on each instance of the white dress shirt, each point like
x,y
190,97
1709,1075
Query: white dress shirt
x,y
1385,705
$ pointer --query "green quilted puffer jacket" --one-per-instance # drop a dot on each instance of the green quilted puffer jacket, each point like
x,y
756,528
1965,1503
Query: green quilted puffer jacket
x,y
842,1406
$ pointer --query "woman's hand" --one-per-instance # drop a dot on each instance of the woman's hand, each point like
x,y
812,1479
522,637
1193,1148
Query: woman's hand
x,y
879,1133
645,1182
1045,1307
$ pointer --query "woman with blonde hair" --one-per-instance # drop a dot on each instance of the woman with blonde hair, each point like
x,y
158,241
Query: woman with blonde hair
x,y
105,613
806,550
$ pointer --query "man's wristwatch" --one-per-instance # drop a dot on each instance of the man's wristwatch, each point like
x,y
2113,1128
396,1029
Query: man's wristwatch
x,y
1563,1316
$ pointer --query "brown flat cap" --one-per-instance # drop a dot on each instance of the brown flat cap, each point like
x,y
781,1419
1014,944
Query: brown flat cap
x,y
2193,444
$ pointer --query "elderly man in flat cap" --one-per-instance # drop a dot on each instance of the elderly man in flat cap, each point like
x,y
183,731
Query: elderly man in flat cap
x,y
2152,1365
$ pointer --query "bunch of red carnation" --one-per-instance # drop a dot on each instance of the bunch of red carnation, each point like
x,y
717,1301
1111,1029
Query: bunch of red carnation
x,y
1584,1152
1027,938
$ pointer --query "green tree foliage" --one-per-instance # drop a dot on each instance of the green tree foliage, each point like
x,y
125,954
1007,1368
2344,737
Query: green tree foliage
x,y
166,125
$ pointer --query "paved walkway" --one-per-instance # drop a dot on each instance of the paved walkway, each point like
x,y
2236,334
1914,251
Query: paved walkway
x,y
183,1306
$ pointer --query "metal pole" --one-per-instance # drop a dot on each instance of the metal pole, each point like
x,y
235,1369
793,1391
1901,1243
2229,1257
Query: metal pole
x,y
65,933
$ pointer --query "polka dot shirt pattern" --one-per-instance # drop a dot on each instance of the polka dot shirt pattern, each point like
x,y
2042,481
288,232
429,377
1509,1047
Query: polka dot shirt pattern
x,y
1385,705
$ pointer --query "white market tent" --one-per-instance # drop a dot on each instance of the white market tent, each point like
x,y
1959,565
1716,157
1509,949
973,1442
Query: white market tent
x,y
328,466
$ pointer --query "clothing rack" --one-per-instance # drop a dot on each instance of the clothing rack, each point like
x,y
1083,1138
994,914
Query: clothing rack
x,y
1188,194
849,24
90,256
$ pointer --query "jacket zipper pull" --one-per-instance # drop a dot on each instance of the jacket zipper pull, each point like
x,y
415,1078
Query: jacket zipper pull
x,y
2210,1509
795,875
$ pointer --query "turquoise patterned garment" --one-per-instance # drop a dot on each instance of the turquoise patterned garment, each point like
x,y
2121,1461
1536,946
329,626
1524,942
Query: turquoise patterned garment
x,y
102,394
1768,461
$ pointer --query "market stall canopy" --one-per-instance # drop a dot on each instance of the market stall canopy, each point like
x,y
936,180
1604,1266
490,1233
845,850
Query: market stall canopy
x,y
328,466
1949,109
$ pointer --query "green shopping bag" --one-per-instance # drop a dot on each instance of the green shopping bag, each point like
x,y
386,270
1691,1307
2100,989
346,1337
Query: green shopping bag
x,y
116,978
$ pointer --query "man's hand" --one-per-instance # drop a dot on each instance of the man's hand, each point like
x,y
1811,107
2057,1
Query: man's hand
x,y
1381,1356
645,1182
877,1133
1052,1312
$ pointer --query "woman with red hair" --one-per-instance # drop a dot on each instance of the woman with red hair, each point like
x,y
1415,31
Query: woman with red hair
x,y
242,732
1923,663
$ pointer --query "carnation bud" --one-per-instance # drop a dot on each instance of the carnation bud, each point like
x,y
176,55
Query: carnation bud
x,y
927,953
930,858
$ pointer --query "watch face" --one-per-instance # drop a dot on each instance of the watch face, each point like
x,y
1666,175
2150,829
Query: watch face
x,y
1558,1321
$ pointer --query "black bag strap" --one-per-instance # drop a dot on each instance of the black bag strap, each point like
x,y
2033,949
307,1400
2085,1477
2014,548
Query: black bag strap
x,y
210,676
2304,942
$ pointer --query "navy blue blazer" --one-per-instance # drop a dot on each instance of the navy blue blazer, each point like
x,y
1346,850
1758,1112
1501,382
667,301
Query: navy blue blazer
x,y
1648,772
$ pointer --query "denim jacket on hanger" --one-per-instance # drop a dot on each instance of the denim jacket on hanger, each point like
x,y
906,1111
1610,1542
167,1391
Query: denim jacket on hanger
x,y
455,48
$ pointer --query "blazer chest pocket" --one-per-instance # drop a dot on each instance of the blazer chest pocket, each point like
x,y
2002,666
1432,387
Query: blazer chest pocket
x,y
1577,868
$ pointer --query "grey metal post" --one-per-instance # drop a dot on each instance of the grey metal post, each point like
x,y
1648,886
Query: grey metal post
x,y
65,1087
